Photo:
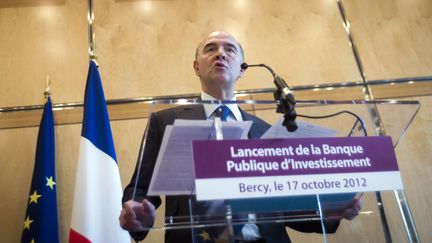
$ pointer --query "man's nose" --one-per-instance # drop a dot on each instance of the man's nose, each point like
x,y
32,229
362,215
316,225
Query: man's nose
x,y
221,53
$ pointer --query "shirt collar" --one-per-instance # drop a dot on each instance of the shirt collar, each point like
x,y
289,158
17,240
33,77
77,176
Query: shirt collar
x,y
210,108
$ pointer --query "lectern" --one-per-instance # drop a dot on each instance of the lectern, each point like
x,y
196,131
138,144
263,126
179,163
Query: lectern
x,y
379,219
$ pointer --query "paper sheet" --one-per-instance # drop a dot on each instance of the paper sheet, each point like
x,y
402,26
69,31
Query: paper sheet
x,y
174,169
304,130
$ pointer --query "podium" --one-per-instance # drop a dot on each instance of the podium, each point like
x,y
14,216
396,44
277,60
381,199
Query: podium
x,y
383,215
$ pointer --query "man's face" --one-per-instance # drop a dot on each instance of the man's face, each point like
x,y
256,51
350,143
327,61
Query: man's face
x,y
218,61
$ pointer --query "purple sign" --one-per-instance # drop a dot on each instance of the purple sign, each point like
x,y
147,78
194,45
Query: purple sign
x,y
294,156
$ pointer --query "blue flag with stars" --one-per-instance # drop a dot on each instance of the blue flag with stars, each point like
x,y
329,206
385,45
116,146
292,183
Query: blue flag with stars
x,y
40,223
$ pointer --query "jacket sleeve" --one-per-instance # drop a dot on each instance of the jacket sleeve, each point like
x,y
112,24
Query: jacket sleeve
x,y
315,226
148,160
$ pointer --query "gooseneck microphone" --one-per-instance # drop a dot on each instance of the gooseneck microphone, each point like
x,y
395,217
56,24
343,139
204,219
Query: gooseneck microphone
x,y
278,81
282,94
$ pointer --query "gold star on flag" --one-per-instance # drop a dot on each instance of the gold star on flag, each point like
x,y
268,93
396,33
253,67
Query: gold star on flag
x,y
27,223
205,236
50,182
34,197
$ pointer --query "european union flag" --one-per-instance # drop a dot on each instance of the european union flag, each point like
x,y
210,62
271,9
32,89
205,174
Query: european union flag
x,y
40,223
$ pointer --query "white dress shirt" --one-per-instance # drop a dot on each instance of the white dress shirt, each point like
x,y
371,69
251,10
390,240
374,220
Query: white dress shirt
x,y
209,109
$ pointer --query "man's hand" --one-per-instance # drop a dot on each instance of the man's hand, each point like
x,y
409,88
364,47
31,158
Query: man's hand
x,y
354,209
137,216
349,212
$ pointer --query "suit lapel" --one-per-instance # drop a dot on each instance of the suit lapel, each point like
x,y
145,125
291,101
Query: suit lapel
x,y
258,128
192,112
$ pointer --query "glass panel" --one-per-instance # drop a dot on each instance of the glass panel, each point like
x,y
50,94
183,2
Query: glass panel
x,y
215,216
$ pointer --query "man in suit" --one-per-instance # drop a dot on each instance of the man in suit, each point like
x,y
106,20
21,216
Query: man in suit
x,y
217,64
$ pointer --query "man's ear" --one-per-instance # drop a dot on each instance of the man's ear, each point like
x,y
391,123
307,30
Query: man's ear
x,y
241,73
196,68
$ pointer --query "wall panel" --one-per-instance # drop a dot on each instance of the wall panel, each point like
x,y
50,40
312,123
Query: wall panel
x,y
146,48
37,41
393,36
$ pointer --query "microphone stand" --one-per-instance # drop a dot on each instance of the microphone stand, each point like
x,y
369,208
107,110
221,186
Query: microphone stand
x,y
284,97
286,105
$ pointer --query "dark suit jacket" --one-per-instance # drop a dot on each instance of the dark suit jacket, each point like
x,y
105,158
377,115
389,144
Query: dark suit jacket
x,y
178,205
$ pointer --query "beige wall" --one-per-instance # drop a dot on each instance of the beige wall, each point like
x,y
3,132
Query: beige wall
x,y
145,48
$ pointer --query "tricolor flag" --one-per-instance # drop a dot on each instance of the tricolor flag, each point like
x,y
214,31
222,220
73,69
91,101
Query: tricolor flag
x,y
40,223
98,192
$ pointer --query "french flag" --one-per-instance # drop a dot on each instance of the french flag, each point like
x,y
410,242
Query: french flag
x,y
98,191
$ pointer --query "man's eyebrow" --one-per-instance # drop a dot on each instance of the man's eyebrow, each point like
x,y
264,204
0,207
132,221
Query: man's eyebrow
x,y
211,44
232,45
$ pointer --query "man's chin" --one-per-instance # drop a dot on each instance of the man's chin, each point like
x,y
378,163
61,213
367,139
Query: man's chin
x,y
223,81
222,77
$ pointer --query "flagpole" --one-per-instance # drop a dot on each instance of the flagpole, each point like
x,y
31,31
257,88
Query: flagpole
x,y
91,34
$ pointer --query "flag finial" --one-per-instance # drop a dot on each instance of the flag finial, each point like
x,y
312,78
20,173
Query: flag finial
x,y
47,92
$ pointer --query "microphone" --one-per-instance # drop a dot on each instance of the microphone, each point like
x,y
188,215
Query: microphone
x,y
283,94
278,81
